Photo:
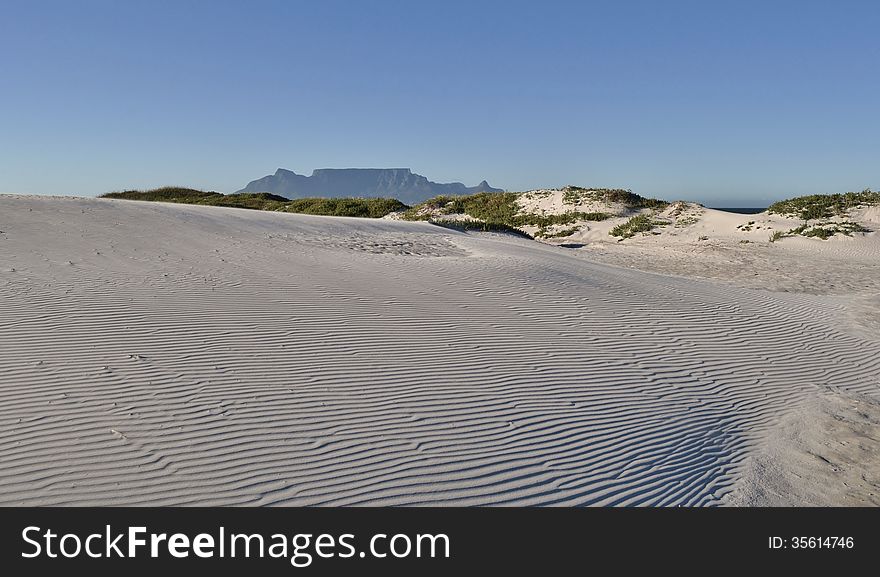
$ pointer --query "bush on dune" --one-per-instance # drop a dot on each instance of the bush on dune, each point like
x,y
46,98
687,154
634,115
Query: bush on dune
x,y
819,206
496,208
256,200
358,207
492,207
575,194
637,224
821,230
164,194
471,224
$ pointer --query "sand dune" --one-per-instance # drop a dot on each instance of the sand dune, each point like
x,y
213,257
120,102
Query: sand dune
x,y
714,248
183,355
824,452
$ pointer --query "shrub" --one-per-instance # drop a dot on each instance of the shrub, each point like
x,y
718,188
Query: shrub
x,y
819,206
471,224
358,207
638,223
822,230
498,208
576,194
164,194
257,200
558,234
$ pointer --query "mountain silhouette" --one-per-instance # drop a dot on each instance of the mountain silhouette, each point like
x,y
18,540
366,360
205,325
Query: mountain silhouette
x,y
400,183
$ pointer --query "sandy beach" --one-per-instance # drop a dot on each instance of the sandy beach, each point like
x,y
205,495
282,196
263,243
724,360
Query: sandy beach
x,y
158,354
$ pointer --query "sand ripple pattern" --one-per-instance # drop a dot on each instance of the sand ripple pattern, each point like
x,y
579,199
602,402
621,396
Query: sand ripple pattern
x,y
171,355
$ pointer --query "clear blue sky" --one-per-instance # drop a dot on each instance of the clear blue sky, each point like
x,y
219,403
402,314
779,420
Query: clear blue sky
x,y
729,103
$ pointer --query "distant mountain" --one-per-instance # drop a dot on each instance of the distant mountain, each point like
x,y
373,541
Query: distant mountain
x,y
399,183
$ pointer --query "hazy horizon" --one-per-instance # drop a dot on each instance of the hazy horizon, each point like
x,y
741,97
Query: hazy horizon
x,y
733,105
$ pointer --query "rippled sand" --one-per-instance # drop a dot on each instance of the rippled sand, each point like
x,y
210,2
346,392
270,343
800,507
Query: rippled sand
x,y
179,355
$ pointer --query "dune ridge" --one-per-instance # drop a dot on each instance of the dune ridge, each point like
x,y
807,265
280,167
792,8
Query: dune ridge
x,y
156,354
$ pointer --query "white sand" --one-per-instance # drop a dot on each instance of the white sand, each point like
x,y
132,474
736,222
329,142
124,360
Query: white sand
x,y
705,243
169,355
825,451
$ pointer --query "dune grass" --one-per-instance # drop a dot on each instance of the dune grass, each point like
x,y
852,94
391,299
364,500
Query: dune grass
x,y
635,225
822,230
819,206
472,224
356,207
254,201
544,233
495,208
165,194
575,194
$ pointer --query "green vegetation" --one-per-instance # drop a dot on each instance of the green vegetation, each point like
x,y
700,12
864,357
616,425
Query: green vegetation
x,y
819,206
496,209
563,233
576,194
256,201
165,194
822,230
488,211
358,207
471,224
637,224
545,220
500,209
558,234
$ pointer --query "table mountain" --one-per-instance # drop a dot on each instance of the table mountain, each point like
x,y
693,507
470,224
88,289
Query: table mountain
x,y
400,183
